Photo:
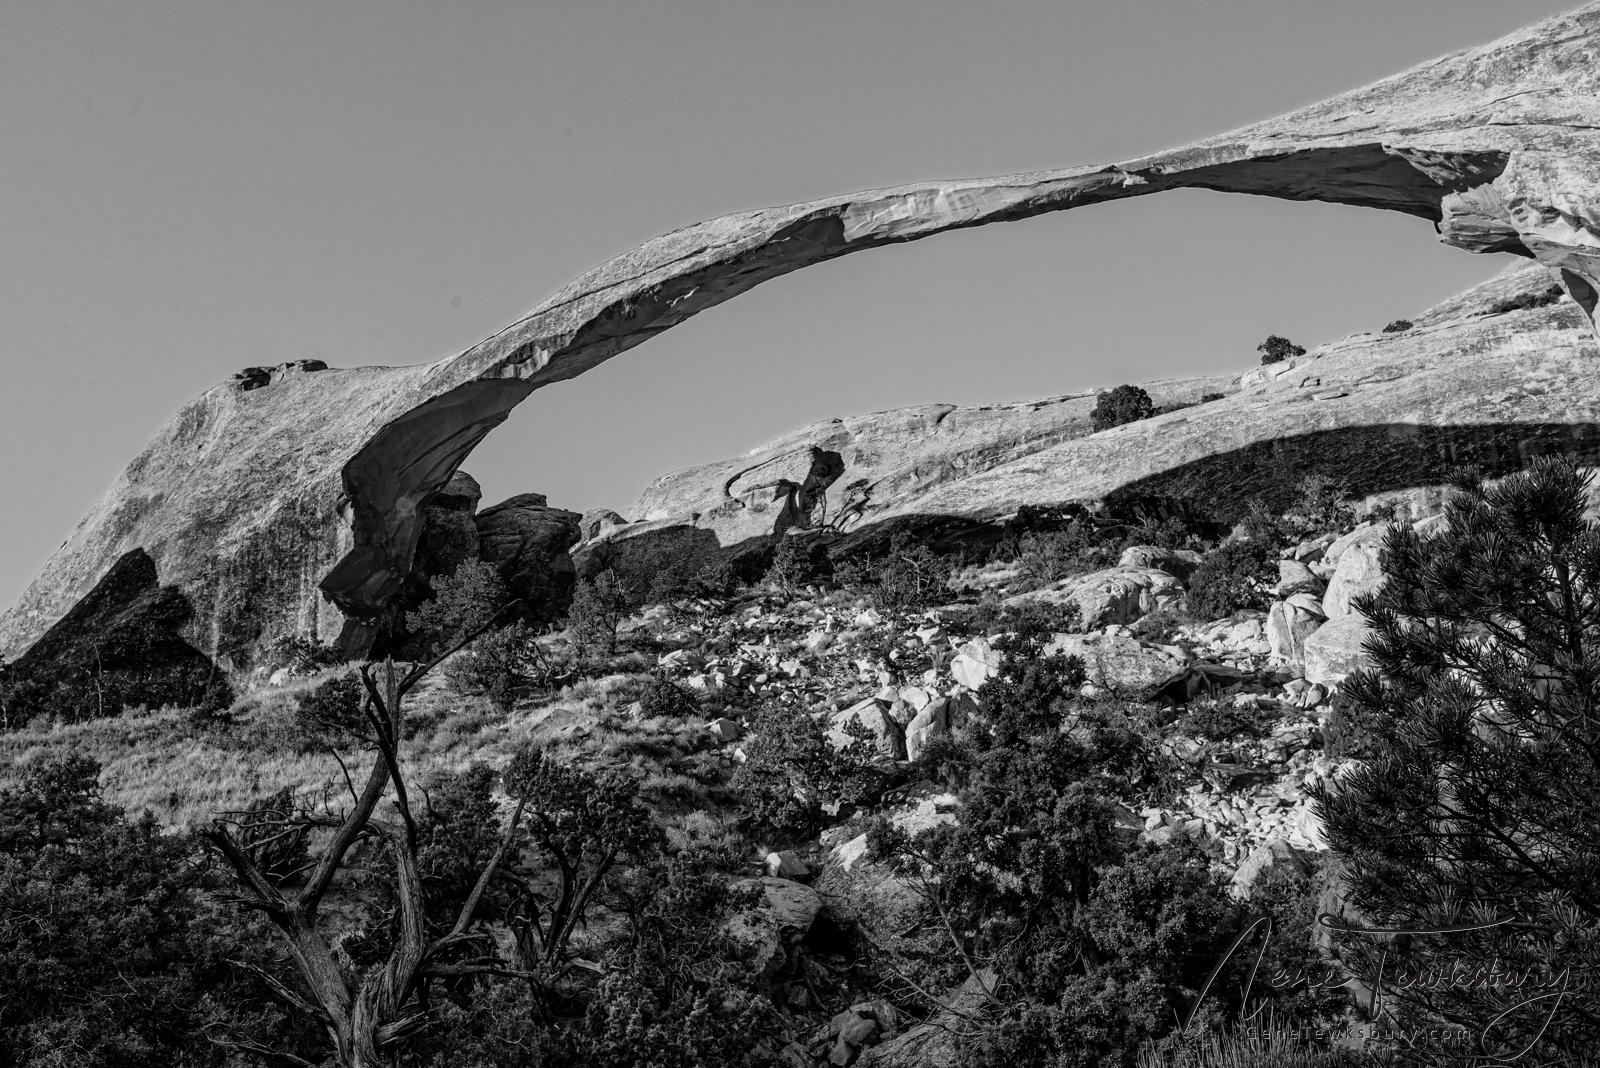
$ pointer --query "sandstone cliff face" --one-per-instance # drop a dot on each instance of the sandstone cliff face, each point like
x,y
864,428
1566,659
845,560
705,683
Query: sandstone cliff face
x,y
295,482
891,459
1389,412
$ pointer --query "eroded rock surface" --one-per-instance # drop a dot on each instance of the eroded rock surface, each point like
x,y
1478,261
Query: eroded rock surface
x,y
262,499
119,647
527,542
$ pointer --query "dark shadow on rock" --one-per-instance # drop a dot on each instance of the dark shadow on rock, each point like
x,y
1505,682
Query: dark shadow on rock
x,y
1207,494
1375,459
119,647
654,561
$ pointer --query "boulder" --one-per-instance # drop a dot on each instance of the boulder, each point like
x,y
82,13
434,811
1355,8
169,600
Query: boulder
x,y
1179,563
1117,662
786,865
935,1043
781,916
596,522
1115,595
1356,569
461,494
1289,624
1296,577
975,663
1199,679
863,1024
1269,854
1335,650
527,541
872,714
933,720
119,647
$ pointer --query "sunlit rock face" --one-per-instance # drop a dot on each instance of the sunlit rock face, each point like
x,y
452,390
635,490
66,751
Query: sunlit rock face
x,y
290,499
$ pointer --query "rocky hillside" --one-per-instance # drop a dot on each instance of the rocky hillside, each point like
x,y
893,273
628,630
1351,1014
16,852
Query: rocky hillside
x,y
1478,379
284,488
890,460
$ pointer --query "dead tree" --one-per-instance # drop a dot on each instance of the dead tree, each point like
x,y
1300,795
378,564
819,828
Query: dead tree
x,y
370,1016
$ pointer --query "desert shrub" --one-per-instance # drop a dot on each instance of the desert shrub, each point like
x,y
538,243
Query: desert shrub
x,y
112,953
1045,558
1089,943
678,993
303,656
909,577
1218,723
1232,577
1049,617
466,600
663,697
1321,505
1036,518
792,773
330,715
796,561
1474,808
327,715
1541,299
1277,349
1125,404
718,578
1399,326
504,663
599,605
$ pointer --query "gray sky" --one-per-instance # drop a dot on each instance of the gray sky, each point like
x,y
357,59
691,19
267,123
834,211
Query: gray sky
x,y
192,188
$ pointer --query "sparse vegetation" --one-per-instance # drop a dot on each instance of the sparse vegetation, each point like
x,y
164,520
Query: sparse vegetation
x,y
1277,349
599,605
1541,299
1474,810
1233,576
1125,404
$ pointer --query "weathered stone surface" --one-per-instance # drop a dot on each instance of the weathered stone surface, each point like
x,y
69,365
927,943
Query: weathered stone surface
x,y
118,647
527,541
449,537
890,458
932,721
1179,563
1357,569
936,1043
1117,662
1113,595
777,922
1334,649
975,663
883,731
273,491
1294,577
1289,624
1261,859
596,521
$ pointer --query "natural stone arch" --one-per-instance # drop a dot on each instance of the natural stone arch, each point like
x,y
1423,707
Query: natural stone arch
x,y
1497,146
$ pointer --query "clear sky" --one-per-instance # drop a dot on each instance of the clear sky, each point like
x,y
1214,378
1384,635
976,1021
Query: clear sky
x,y
192,188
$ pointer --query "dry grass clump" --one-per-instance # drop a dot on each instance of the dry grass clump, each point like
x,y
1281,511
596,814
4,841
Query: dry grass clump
x,y
184,771
159,762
